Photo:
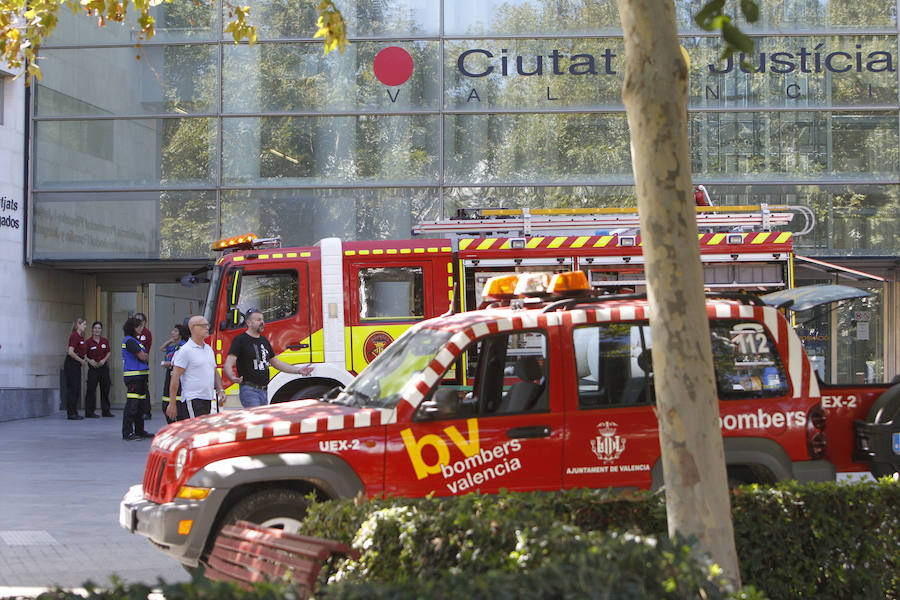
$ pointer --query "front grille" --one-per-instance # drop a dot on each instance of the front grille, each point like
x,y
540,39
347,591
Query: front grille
x,y
153,477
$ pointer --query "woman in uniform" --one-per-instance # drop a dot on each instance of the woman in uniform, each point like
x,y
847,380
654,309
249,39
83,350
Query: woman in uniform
x,y
74,360
179,336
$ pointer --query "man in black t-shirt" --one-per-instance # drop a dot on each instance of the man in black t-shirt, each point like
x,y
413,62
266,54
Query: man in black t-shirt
x,y
252,354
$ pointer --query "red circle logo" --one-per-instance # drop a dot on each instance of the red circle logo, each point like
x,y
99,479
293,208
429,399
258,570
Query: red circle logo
x,y
375,344
393,66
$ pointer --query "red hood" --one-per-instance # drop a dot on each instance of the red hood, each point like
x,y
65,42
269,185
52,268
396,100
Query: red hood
x,y
288,418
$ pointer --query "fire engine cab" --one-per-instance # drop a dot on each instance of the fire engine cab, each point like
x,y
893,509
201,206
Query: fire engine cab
x,y
551,386
335,306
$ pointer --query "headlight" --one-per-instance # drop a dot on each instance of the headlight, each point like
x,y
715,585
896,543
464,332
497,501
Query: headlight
x,y
180,459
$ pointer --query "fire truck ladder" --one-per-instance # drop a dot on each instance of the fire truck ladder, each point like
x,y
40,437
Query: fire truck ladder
x,y
524,221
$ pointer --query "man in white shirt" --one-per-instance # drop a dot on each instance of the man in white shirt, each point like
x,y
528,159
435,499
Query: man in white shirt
x,y
194,365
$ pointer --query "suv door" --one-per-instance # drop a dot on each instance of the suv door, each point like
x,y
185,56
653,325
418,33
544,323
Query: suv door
x,y
611,429
503,432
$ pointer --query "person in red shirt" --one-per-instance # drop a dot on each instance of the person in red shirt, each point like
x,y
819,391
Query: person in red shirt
x,y
74,360
98,353
146,339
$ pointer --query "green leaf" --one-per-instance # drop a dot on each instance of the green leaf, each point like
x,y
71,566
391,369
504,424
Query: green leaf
x,y
708,13
751,10
735,37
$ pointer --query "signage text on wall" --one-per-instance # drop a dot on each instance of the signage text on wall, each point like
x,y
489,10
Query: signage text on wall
x,y
8,210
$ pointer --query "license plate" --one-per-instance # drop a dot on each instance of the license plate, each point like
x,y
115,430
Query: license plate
x,y
127,518
897,442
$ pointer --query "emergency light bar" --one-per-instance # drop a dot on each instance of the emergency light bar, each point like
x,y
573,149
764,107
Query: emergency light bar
x,y
239,241
535,285
245,241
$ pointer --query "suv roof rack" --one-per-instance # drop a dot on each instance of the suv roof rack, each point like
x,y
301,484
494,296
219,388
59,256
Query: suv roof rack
x,y
592,298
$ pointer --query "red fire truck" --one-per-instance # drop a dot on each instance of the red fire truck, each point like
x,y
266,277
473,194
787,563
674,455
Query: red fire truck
x,y
335,306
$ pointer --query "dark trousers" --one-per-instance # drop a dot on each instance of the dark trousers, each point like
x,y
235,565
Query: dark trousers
x,y
73,385
165,396
135,396
145,406
193,408
98,375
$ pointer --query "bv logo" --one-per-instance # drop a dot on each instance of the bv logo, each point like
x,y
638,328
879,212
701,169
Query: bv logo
x,y
414,447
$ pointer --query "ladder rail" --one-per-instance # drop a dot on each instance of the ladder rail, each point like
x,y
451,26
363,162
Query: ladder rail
x,y
528,220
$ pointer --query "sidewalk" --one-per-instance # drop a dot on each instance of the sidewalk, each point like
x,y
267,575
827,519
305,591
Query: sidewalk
x,y
60,486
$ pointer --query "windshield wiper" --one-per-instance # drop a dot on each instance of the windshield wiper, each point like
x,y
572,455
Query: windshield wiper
x,y
357,398
331,394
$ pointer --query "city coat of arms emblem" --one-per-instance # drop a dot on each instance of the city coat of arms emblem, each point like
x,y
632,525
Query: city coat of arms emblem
x,y
608,446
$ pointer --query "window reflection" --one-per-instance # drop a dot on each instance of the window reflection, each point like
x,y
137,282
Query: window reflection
x,y
304,216
330,149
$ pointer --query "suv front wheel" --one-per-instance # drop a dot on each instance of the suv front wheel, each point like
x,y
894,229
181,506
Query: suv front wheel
x,y
279,508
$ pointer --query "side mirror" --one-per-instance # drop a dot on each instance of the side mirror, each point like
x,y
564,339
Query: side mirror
x,y
444,403
234,318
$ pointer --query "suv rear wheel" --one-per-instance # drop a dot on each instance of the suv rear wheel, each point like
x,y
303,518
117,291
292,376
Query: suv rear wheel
x,y
886,412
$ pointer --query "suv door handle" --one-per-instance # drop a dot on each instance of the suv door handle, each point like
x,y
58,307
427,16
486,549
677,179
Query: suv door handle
x,y
297,346
537,431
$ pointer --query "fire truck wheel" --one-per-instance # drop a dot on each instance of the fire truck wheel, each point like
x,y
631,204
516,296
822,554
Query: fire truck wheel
x,y
311,391
278,508
885,410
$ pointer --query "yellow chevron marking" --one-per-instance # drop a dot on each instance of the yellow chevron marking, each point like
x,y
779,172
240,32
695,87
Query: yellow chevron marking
x,y
504,245
534,242
761,238
716,239
465,243
580,241
485,244
783,237
557,242
603,241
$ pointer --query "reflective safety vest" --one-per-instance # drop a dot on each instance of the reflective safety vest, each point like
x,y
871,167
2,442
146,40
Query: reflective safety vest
x,y
131,364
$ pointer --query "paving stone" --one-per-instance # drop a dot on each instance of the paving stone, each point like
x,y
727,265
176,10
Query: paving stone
x,y
62,483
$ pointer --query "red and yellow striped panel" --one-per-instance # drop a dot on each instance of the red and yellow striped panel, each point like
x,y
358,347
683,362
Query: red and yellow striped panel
x,y
751,240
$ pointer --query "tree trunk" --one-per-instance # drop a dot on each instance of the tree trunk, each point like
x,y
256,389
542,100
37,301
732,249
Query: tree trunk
x,y
693,459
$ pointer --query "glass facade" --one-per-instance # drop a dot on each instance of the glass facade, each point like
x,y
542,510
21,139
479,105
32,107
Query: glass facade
x,y
501,103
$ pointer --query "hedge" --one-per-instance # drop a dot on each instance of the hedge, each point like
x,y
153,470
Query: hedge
x,y
823,540
830,540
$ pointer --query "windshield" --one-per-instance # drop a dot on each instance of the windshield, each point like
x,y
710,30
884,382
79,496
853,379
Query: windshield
x,y
380,384
212,295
